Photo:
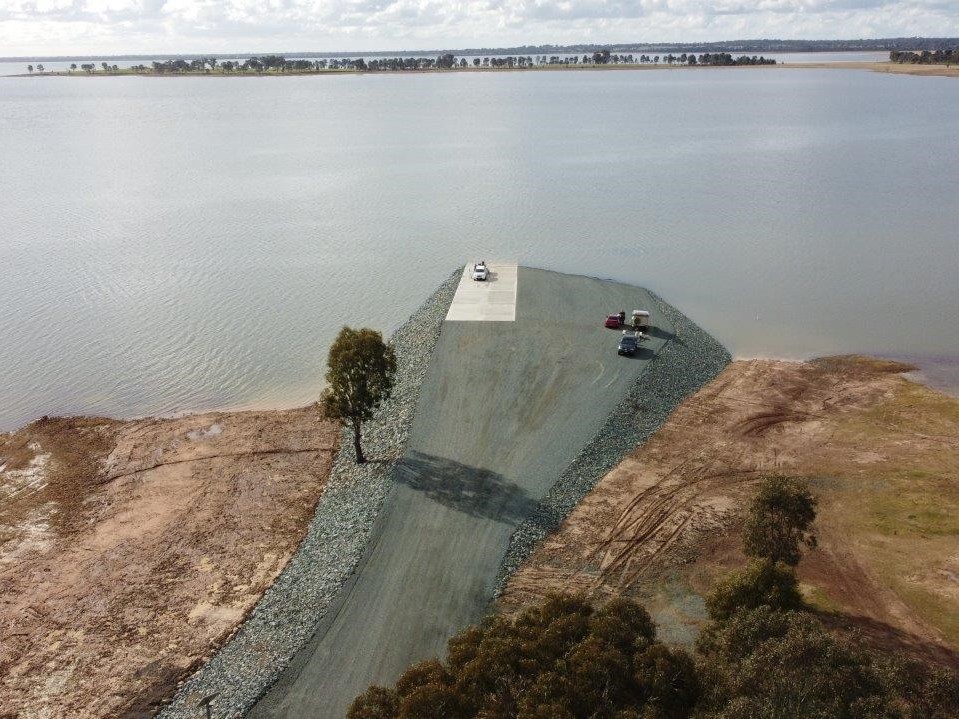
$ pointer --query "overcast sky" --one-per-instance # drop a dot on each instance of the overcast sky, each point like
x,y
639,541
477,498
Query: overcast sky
x,y
90,27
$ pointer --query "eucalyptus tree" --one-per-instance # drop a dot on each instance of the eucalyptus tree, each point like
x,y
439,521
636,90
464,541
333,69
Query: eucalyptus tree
x,y
361,367
778,523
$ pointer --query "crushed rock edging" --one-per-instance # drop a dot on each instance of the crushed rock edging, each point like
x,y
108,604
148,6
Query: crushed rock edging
x,y
286,616
689,360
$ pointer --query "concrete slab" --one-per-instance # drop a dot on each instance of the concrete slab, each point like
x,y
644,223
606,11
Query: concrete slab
x,y
492,300
503,410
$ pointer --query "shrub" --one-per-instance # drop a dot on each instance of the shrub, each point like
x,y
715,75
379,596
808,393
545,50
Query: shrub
x,y
778,521
764,664
564,660
761,583
558,659
667,681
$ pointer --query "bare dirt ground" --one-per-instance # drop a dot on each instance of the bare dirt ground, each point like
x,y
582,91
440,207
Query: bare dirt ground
x,y
880,452
130,550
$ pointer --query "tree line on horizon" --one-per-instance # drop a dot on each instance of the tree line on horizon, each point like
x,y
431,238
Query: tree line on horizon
x,y
87,67
731,46
926,57
738,47
445,61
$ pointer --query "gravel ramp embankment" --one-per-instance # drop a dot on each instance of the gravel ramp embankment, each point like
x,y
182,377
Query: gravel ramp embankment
x,y
689,360
287,616
284,619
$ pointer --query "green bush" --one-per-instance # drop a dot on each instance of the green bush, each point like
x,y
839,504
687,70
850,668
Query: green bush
x,y
763,664
562,658
777,524
565,660
761,584
738,636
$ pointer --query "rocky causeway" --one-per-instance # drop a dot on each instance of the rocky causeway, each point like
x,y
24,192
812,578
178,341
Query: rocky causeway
x,y
496,429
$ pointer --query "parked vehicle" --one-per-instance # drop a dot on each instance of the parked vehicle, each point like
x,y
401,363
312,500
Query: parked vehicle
x,y
628,345
480,271
641,320
613,322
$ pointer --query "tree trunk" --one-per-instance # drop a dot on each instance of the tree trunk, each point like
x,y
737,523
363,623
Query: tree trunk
x,y
357,447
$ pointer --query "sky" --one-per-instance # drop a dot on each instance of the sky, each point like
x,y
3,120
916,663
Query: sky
x,y
100,27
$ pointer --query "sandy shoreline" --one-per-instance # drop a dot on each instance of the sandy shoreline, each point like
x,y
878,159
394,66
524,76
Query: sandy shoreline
x,y
130,550
885,67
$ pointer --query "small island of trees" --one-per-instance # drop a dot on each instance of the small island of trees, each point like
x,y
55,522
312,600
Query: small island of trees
x,y
278,64
926,57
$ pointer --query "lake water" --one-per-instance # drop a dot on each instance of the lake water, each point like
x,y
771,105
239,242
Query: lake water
x,y
173,244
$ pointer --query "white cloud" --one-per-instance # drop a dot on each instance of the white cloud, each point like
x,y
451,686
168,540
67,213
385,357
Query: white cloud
x,y
107,8
33,27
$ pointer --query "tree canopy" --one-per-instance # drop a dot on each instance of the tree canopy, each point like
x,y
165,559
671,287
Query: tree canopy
x,y
777,524
761,656
359,376
565,659
926,57
766,664
762,583
446,61
561,659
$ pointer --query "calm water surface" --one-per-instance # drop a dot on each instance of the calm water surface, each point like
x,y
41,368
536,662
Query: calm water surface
x,y
171,244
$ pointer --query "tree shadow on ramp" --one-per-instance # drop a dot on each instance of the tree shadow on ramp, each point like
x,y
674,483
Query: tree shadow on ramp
x,y
471,490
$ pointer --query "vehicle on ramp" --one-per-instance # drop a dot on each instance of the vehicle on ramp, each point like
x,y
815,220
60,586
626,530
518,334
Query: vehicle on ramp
x,y
471,474
480,271
628,345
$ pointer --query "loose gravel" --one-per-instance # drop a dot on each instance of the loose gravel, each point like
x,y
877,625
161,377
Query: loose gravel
x,y
689,360
289,611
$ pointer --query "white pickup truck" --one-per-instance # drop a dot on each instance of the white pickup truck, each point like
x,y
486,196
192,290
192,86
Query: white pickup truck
x,y
480,271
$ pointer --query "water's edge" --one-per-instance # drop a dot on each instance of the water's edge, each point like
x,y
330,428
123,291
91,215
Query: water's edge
x,y
345,520
337,538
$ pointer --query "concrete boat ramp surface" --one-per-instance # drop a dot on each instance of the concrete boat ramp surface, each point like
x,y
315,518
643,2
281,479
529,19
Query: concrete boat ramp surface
x,y
505,407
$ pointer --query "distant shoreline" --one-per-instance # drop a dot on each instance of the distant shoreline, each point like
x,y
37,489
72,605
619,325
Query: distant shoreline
x,y
738,46
882,67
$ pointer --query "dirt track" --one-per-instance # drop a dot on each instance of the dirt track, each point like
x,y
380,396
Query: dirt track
x,y
664,524
131,549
